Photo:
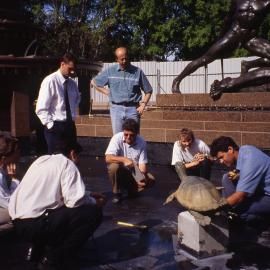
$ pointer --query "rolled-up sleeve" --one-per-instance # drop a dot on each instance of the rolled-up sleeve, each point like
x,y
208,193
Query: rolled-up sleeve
x,y
102,79
145,84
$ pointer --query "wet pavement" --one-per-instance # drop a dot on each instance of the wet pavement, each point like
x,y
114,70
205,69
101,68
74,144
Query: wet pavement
x,y
116,247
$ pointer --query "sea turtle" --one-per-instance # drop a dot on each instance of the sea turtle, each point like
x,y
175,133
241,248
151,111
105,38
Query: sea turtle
x,y
198,195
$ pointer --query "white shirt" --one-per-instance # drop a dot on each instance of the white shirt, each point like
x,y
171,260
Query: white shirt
x,y
51,101
186,155
51,182
5,190
137,151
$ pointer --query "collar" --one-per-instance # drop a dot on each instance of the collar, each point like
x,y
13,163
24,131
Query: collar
x,y
129,67
61,77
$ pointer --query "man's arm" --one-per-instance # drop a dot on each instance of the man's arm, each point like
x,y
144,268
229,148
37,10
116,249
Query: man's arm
x,y
143,168
236,198
43,104
119,159
144,102
102,90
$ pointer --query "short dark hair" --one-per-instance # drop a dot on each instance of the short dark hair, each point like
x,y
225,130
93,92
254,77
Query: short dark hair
x,y
65,146
68,57
131,125
8,145
186,133
221,144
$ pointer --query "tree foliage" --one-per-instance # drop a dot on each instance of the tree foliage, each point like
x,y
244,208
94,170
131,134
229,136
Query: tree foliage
x,y
152,29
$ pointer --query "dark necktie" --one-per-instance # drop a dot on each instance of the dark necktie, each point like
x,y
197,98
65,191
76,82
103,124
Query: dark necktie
x,y
68,111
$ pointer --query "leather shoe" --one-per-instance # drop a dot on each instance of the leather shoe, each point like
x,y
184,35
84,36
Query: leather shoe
x,y
47,264
34,253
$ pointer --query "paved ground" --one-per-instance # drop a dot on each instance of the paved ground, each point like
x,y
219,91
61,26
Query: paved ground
x,y
115,247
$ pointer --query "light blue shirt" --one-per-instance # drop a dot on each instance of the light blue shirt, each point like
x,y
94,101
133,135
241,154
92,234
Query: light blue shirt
x,y
254,167
5,190
125,85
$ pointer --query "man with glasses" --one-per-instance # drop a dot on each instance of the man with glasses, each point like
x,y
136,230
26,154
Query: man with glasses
x,y
125,83
248,194
126,157
57,102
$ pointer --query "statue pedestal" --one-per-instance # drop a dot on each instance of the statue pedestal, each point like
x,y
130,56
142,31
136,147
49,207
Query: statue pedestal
x,y
202,241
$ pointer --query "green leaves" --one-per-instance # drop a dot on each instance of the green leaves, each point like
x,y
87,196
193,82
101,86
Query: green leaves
x,y
152,29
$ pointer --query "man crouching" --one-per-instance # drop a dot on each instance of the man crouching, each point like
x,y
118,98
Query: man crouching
x,y
126,157
51,209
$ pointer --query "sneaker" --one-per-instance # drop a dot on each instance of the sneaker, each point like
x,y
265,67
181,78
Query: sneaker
x,y
117,198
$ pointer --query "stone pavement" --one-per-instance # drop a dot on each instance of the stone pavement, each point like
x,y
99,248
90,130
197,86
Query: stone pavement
x,y
121,248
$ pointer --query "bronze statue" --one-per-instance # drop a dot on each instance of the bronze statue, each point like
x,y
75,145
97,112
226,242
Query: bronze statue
x,y
248,15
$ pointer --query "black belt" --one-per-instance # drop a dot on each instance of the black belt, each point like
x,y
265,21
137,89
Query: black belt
x,y
126,103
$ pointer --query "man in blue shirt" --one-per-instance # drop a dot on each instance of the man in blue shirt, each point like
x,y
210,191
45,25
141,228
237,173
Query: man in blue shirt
x,y
250,196
125,83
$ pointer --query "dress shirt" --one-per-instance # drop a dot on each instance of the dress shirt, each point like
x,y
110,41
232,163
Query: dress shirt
x,y
5,189
136,152
51,99
186,155
125,85
52,181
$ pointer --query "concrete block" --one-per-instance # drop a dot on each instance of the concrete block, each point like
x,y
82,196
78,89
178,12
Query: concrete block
x,y
202,241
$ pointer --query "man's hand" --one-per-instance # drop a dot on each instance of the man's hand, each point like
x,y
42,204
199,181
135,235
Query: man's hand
x,y
11,170
100,198
234,175
198,158
141,108
128,163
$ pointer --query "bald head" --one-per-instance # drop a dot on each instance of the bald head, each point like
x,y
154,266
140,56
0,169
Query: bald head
x,y
121,55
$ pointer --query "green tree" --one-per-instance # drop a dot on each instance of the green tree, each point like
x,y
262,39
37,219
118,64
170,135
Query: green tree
x,y
151,29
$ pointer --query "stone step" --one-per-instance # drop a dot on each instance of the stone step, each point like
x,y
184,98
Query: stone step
x,y
256,99
162,126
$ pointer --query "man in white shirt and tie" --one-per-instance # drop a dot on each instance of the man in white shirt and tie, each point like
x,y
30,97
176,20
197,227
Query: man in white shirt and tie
x,y
57,102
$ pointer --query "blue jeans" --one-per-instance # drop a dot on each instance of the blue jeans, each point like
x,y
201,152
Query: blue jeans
x,y
253,208
119,114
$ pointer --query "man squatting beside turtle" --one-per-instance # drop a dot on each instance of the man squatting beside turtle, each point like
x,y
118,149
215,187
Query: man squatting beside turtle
x,y
125,83
193,153
250,196
51,209
126,157
9,156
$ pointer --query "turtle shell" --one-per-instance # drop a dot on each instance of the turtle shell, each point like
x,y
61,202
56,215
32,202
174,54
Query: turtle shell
x,y
198,194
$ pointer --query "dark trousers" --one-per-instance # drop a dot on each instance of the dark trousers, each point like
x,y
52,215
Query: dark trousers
x,y
65,130
202,170
63,230
253,208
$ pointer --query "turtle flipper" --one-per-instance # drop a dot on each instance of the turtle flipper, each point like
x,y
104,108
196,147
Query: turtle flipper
x,y
170,198
200,218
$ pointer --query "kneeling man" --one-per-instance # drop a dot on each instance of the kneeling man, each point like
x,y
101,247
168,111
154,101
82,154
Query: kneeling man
x,y
126,157
250,195
51,209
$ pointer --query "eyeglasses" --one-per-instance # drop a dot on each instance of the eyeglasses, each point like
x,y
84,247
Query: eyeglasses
x,y
127,134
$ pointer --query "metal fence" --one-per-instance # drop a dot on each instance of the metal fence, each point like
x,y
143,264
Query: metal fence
x,y
161,75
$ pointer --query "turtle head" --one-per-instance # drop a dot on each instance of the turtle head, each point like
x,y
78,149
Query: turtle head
x,y
181,170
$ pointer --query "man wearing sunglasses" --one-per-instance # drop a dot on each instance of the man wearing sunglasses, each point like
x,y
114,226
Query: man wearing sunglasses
x,y
126,157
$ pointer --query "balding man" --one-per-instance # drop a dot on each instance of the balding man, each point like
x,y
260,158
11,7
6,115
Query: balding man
x,y
125,85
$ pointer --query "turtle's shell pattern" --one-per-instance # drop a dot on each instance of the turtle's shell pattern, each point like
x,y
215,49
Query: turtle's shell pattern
x,y
198,194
